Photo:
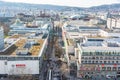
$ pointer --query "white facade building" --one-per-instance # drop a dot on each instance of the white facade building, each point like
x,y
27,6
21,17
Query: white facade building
x,y
98,56
113,23
27,57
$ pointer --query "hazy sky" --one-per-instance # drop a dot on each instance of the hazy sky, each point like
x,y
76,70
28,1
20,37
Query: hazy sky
x,y
79,3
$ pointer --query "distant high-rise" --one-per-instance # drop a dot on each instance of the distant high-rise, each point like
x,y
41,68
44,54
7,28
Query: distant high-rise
x,y
1,38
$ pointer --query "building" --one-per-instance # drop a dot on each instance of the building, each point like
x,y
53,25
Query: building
x,y
39,25
25,48
71,34
92,50
113,21
23,54
1,38
98,56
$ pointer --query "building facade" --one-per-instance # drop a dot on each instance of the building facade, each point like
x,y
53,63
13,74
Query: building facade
x,y
98,57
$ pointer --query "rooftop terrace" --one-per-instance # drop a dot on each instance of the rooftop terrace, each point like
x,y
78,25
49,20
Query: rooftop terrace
x,y
24,46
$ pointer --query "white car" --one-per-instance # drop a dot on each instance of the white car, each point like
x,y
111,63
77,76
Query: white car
x,y
110,76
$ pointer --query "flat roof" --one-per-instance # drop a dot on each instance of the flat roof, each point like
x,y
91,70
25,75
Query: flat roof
x,y
34,47
34,50
87,27
101,45
100,49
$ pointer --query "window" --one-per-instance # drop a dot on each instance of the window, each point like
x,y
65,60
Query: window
x,y
85,61
36,58
91,53
105,57
117,57
82,61
108,68
92,61
116,61
104,61
108,61
97,57
82,57
109,53
86,57
89,61
103,68
96,61
89,57
101,57
100,61
109,57
112,61
114,68
93,57
113,57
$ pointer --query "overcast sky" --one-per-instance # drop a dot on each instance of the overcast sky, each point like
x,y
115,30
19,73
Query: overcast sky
x,y
77,3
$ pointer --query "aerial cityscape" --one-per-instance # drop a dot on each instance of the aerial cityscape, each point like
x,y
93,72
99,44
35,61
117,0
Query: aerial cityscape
x,y
57,40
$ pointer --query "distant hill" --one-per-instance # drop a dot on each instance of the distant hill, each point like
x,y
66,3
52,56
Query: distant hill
x,y
38,6
112,7
56,7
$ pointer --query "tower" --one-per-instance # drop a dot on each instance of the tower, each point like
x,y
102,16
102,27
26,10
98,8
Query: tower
x,y
1,38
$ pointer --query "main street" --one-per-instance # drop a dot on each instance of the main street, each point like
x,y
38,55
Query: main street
x,y
48,63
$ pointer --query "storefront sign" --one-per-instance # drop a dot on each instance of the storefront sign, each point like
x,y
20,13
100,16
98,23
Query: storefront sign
x,y
20,65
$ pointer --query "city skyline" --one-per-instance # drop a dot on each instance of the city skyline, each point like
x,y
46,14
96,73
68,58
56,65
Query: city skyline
x,y
77,3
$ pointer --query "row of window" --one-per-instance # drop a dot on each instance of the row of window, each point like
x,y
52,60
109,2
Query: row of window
x,y
101,53
110,68
106,58
104,62
19,58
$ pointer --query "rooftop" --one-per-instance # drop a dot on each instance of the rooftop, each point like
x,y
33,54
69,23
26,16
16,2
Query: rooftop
x,y
24,46
33,49
87,27
100,49
93,45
